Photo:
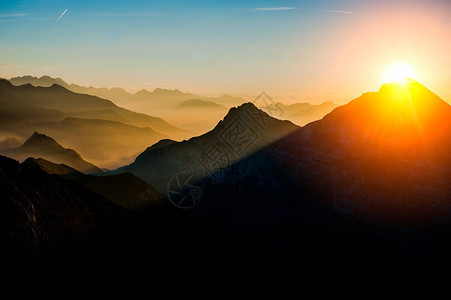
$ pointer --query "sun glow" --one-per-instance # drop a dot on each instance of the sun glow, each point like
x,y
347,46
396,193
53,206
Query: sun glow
x,y
399,72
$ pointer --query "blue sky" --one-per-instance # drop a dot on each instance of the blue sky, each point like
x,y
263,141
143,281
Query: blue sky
x,y
309,49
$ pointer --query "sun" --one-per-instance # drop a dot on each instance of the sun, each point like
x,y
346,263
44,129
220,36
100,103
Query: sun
x,y
399,72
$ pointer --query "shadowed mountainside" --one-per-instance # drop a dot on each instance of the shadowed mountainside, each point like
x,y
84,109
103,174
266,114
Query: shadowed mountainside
x,y
124,189
244,130
46,218
53,224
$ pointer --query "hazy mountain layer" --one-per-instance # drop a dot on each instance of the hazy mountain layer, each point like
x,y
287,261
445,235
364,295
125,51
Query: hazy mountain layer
x,y
105,143
189,111
60,99
42,146
9,142
104,133
302,113
142,100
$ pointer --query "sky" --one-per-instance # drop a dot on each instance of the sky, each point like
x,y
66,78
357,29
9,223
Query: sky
x,y
305,50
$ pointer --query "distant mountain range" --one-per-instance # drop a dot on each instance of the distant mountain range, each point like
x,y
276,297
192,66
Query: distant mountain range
x,y
186,110
142,100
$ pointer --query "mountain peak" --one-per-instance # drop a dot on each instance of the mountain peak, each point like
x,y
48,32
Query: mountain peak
x,y
38,139
142,91
399,114
57,86
164,91
247,116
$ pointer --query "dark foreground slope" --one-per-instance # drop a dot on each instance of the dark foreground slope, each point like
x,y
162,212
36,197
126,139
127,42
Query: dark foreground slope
x,y
50,223
46,218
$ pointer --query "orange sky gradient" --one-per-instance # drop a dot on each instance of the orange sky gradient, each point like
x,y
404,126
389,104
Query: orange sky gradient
x,y
294,54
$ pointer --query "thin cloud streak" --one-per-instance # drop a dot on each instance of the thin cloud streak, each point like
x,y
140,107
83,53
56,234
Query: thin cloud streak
x,y
13,15
11,66
123,14
274,8
61,15
338,11
281,8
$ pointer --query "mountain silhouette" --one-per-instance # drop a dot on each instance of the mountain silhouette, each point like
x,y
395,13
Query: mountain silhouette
x,y
244,130
42,146
382,157
397,115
